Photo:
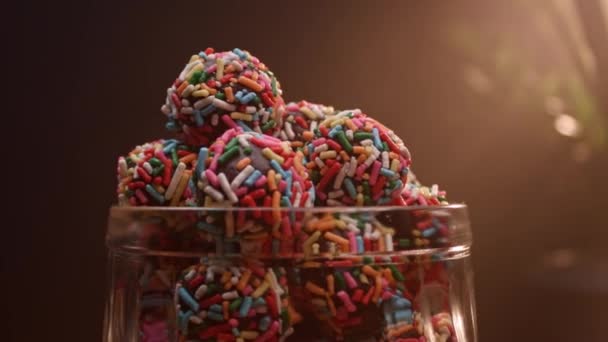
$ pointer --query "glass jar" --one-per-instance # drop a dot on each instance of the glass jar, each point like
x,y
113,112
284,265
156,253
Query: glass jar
x,y
263,274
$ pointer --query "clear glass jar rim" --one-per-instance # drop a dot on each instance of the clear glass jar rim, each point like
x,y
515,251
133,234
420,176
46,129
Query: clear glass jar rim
x,y
353,209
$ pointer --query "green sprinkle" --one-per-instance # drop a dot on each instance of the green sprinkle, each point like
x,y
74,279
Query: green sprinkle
x,y
285,318
129,193
211,290
368,260
366,188
174,158
157,171
362,135
273,83
341,284
384,146
228,154
344,142
196,76
256,100
155,162
233,142
356,272
268,125
130,162
247,150
204,77
368,200
236,304
396,274
404,243
220,95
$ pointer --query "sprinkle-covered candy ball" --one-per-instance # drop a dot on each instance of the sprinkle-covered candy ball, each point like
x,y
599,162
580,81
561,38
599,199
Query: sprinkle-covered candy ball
x,y
301,119
221,90
157,173
355,160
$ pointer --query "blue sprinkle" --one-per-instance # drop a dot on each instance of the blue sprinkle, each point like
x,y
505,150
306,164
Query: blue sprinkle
x,y
247,98
198,118
350,188
183,318
200,164
245,306
170,145
243,126
387,173
240,53
171,126
235,331
285,202
264,323
202,54
398,185
384,200
429,232
403,315
289,181
216,308
256,117
207,110
400,303
238,95
157,197
277,167
260,301
187,298
335,131
253,178
376,137
360,245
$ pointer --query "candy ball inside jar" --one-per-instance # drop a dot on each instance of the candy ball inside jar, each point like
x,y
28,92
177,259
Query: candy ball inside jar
x,y
221,90
251,170
355,160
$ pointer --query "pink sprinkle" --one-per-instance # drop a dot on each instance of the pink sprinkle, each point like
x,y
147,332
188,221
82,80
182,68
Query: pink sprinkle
x,y
350,281
347,302
282,186
292,107
286,227
231,133
375,171
211,69
386,295
353,247
212,178
357,122
297,228
318,142
347,200
422,200
228,121
242,191
361,169
247,290
233,323
260,182
321,195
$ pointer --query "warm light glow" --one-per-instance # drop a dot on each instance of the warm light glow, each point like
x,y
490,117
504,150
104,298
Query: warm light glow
x,y
567,125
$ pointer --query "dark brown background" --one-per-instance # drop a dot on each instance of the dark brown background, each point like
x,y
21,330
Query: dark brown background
x,y
94,76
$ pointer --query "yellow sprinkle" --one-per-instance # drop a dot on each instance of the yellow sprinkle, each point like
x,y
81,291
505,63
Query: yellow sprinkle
x,y
200,93
260,290
241,116
337,122
219,73
360,199
269,154
395,164
181,187
328,155
193,58
249,334
197,67
309,113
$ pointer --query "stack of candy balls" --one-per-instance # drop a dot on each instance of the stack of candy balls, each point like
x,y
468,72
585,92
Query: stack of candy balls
x,y
237,144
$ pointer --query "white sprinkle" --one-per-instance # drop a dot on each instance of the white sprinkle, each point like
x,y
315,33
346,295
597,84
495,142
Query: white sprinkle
x,y
165,109
289,131
335,194
186,110
215,119
340,177
241,177
122,200
265,116
321,148
203,102
367,142
434,190
190,275
195,319
319,163
349,135
177,176
216,195
226,188
224,105
388,242
189,89
185,103
244,140
313,126
230,295
385,160
250,110
200,291
334,203
282,135
122,167
353,167
148,167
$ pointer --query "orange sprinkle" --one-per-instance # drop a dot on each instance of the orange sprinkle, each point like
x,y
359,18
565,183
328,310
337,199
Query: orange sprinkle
x,y
310,165
181,87
242,163
315,289
226,277
244,279
226,312
254,76
256,282
188,158
251,84
389,276
209,89
336,238
307,135
350,124
296,144
181,186
344,155
370,271
361,159
330,284
270,178
294,316
229,94
332,306
276,204
377,289
358,149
